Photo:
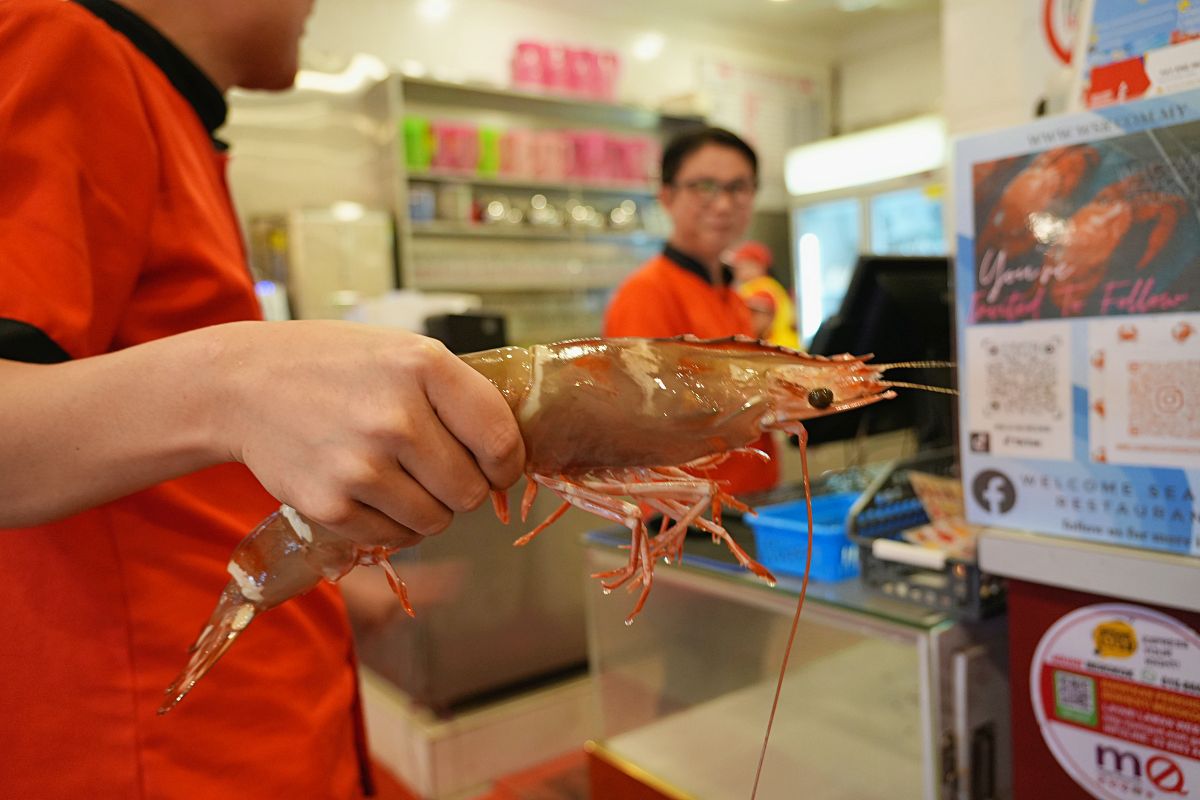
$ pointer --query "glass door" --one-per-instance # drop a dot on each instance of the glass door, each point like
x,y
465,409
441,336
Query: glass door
x,y
831,231
828,238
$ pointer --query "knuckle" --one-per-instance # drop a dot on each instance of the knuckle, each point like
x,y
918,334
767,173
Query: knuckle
x,y
396,427
332,510
431,353
436,522
356,474
501,444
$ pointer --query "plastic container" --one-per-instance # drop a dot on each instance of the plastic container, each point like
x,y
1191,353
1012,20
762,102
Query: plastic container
x,y
516,153
608,68
552,155
418,143
781,537
589,161
529,63
456,146
489,150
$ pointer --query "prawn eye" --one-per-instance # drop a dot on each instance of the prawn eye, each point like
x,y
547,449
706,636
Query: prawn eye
x,y
820,398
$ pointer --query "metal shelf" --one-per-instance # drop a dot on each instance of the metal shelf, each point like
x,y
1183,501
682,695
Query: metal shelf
x,y
512,182
500,231
436,92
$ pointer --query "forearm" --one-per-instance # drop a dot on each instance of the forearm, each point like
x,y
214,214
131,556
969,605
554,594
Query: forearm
x,y
373,433
78,434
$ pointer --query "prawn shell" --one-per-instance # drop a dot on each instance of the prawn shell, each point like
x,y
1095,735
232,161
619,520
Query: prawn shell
x,y
616,403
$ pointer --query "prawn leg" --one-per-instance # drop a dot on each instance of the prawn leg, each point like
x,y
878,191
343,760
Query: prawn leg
x,y
607,506
684,498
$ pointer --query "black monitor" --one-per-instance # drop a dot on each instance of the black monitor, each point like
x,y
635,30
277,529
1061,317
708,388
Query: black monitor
x,y
900,309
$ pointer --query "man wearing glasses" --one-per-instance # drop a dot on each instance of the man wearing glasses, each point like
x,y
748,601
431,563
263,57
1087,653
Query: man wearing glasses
x,y
709,178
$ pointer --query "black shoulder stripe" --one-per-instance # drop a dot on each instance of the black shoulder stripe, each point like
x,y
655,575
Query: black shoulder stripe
x,y
187,78
20,341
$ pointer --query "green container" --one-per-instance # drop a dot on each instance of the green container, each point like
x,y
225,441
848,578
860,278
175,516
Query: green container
x,y
489,150
418,143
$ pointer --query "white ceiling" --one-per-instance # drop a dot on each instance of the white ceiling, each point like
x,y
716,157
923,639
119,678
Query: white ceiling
x,y
790,19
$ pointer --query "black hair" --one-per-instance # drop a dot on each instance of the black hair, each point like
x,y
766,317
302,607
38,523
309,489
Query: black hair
x,y
691,140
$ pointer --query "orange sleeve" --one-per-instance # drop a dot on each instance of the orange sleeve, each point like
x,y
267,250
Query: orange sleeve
x,y
78,166
641,307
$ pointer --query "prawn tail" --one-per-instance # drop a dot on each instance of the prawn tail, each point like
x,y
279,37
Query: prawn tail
x,y
284,556
231,616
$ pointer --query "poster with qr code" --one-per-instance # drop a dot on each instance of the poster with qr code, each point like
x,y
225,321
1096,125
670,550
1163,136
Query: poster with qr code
x,y
1115,689
1077,296
1144,391
1024,373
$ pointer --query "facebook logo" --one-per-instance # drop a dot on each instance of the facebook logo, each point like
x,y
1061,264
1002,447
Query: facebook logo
x,y
994,492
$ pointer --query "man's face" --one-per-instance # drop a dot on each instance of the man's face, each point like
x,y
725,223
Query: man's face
x,y
710,200
264,37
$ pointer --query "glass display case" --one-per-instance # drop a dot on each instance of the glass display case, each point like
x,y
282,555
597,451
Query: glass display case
x,y
881,699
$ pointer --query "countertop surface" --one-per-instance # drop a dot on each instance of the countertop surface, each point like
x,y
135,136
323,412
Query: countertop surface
x,y
702,556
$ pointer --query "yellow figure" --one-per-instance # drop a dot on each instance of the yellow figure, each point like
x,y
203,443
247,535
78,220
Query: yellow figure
x,y
770,305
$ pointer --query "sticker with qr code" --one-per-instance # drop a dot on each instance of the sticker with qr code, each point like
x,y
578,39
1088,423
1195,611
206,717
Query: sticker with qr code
x,y
1020,379
1144,391
1115,692
1075,697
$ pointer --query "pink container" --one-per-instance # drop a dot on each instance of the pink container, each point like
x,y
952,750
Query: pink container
x,y
517,153
582,72
556,80
633,158
591,161
551,155
529,64
608,68
456,146
620,159
651,158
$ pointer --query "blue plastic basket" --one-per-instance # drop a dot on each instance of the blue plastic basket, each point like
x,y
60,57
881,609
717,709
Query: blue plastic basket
x,y
781,537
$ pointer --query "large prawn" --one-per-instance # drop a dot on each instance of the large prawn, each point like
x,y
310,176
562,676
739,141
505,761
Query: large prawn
x,y
612,426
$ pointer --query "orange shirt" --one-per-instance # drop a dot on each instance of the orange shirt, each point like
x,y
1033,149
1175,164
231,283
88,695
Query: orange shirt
x,y
669,295
117,229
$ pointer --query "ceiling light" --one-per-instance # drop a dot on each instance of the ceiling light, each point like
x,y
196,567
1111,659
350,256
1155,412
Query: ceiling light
x,y
648,46
434,10
346,211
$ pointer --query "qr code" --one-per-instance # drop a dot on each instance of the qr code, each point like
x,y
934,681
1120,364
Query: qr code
x,y
1074,693
1164,399
1021,378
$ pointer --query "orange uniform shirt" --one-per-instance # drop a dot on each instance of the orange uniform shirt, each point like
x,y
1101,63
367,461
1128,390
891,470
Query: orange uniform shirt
x,y
115,229
671,295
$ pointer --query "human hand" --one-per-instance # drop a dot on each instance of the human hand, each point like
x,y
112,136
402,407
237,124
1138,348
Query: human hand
x,y
376,434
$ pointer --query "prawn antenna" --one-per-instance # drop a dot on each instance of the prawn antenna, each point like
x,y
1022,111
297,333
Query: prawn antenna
x,y
907,385
917,365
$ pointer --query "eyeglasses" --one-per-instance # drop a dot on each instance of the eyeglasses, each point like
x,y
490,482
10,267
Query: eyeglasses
x,y
707,189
